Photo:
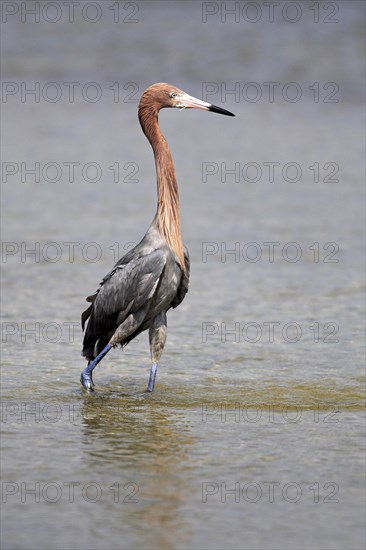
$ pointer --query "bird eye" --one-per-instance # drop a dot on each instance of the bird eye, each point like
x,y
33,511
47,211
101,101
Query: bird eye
x,y
173,94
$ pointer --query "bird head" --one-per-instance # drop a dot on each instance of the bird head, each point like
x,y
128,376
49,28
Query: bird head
x,y
163,95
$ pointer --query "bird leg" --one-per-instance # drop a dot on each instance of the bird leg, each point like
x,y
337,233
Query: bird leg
x,y
86,375
123,331
157,337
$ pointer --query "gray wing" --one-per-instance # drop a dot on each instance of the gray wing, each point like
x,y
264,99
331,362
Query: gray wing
x,y
184,283
125,290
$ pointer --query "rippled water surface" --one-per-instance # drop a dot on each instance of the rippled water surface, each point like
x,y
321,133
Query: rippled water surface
x,y
254,435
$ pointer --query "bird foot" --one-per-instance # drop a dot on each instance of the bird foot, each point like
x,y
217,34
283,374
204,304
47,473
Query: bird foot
x,y
86,375
87,381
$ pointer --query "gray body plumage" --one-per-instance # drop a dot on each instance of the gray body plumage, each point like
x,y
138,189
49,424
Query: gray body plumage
x,y
142,286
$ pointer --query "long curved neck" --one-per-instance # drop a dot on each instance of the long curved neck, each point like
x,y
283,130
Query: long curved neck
x,y
167,214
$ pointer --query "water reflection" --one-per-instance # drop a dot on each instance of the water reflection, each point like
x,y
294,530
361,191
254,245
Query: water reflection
x,y
137,439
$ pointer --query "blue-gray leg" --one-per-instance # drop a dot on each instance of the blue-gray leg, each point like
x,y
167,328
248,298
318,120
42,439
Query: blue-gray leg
x,y
86,375
126,328
152,377
157,337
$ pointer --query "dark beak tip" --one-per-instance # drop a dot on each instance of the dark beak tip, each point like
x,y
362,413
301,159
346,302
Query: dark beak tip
x,y
219,110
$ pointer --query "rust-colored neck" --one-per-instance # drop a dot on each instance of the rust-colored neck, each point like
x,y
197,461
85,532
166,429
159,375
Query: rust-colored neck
x,y
167,215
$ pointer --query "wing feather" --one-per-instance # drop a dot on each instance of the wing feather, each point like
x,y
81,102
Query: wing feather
x,y
125,290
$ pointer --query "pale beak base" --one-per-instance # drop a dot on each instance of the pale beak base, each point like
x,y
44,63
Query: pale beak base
x,y
190,102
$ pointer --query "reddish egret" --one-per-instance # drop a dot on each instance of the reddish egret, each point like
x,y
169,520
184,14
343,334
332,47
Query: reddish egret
x,y
152,277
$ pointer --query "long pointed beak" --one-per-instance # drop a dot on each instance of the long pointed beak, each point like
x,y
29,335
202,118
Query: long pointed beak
x,y
190,102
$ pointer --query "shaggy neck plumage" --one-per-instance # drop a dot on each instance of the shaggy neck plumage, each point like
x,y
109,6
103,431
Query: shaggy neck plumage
x,y
167,215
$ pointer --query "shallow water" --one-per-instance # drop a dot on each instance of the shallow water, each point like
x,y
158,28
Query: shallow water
x,y
254,435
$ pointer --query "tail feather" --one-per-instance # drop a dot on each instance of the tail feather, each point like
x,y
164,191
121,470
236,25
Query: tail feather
x,y
89,344
86,314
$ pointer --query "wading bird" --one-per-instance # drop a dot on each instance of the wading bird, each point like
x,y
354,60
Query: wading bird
x,y
152,277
